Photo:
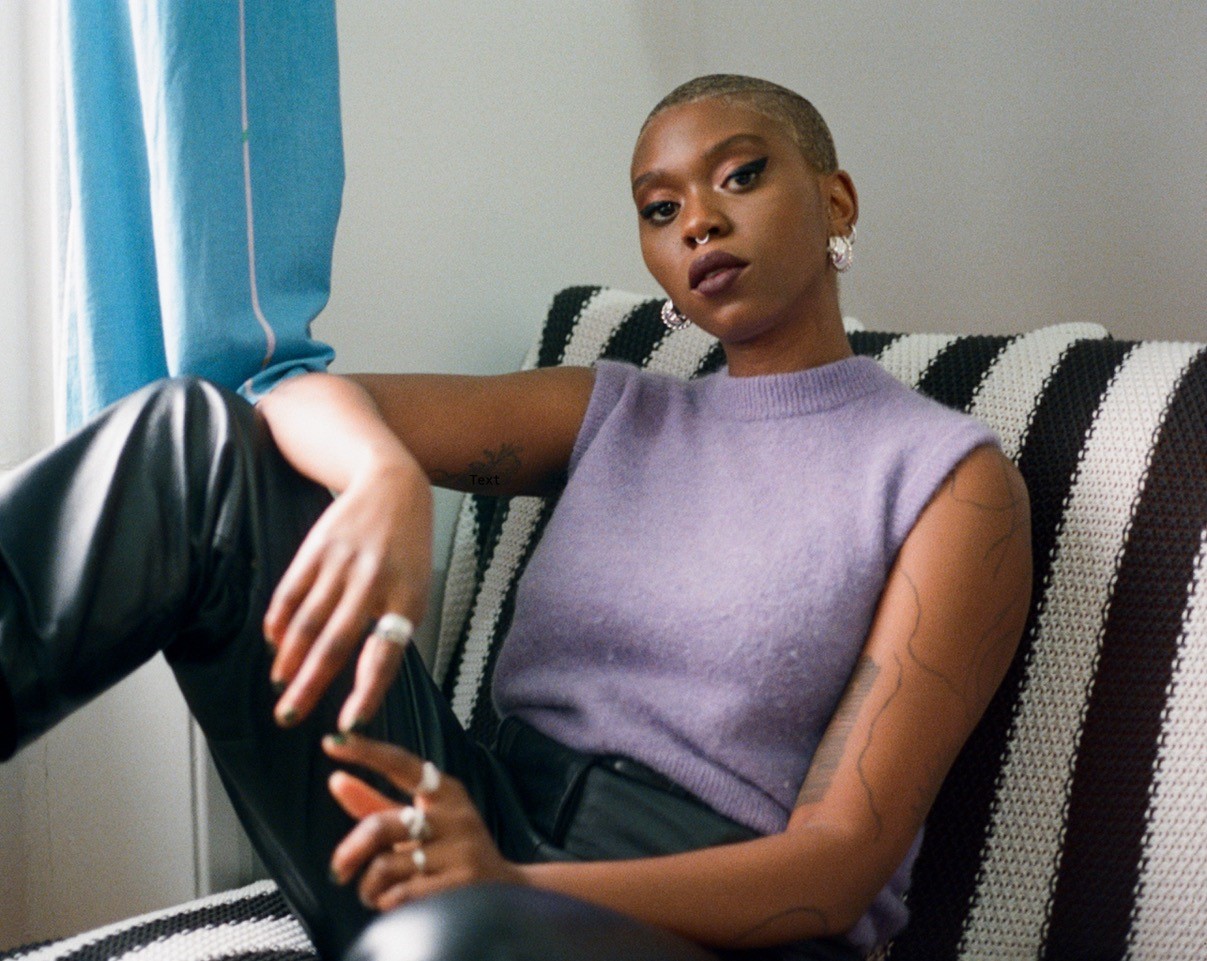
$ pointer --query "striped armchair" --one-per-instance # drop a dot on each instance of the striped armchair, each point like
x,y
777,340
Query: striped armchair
x,y
1073,824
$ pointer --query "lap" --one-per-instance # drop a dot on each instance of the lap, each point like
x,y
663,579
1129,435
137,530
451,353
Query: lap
x,y
510,923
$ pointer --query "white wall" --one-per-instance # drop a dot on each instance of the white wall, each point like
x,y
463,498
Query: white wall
x,y
1018,164
14,391
95,818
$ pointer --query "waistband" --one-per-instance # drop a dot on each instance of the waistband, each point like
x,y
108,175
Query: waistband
x,y
605,806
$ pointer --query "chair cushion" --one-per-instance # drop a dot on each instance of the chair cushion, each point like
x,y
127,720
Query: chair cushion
x,y
248,924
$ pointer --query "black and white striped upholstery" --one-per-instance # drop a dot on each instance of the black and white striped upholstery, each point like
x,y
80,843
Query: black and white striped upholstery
x,y
1075,822
250,924
1074,825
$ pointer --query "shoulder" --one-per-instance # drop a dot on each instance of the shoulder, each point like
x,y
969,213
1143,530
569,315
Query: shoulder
x,y
981,506
644,392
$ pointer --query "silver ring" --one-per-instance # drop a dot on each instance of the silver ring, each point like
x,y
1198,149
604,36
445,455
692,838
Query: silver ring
x,y
394,629
701,241
429,780
419,859
415,821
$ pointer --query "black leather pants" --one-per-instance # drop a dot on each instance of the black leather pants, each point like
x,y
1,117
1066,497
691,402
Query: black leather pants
x,y
164,525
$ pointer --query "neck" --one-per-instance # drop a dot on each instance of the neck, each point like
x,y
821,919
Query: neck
x,y
811,339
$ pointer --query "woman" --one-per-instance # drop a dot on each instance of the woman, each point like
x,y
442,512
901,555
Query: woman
x,y
769,609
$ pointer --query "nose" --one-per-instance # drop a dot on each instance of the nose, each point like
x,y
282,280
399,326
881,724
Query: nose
x,y
700,220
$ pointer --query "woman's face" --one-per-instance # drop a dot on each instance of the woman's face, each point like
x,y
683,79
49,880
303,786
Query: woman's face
x,y
721,173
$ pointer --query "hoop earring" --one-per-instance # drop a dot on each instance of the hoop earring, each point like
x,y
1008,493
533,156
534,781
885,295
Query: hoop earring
x,y
842,251
673,317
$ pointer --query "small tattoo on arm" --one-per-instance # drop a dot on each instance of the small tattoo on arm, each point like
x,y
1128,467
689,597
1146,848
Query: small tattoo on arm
x,y
783,915
867,787
833,745
495,469
1012,508
996,642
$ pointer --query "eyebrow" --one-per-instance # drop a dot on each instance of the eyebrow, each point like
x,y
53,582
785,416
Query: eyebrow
x,y
714,151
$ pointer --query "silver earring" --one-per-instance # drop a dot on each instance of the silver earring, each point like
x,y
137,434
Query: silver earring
x,y
842,251
673,317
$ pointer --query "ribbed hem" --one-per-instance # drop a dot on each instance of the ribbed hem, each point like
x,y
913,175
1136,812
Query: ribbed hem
x,y
722,791
808,391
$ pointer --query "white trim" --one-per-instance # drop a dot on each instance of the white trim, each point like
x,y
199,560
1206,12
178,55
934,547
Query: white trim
x,y
270,336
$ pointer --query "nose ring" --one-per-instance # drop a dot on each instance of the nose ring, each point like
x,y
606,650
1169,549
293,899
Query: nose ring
x,y
701,241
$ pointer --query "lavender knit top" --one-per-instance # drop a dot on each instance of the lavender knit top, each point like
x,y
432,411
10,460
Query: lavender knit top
x,y
706,582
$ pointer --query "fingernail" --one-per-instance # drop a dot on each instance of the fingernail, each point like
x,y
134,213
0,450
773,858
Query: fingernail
x,y
270,644
279,687
288,717
338,738
335,876
359,726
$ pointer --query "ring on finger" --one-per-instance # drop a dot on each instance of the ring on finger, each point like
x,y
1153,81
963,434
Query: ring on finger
x,y
419,860
394,628
429,779
415,821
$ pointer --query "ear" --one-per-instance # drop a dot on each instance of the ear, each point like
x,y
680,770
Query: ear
x,y
842,202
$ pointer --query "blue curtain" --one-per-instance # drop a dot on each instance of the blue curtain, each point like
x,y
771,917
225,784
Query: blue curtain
x,y
201,171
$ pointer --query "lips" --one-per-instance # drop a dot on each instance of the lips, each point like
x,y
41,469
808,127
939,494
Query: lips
x,y
714,272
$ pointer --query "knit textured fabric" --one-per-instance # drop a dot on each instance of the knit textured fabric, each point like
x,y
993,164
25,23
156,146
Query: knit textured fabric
x,y
702,591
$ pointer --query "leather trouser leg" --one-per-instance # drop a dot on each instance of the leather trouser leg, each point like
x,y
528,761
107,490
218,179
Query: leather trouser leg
x,y
499,922
164,525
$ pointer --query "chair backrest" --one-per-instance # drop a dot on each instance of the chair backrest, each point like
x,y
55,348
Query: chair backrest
x,y
1072,825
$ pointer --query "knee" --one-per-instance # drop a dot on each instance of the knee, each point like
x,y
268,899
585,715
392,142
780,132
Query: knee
x,y
191,414
195,396
499,922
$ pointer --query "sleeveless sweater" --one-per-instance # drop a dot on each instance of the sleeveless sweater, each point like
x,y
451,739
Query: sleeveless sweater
x,y
707,580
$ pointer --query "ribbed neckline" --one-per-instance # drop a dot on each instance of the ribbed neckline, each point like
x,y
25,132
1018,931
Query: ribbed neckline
x,y
766,396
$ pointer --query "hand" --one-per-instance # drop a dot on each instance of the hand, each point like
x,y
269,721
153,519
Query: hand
x,y
368,554
456,847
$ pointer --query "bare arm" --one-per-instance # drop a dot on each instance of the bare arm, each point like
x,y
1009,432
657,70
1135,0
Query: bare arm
x,y
376,443
504,434
945,630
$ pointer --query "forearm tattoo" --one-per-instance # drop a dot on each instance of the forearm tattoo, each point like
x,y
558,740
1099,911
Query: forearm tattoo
x,y
486,476
803,911
971,686
834,745
969,681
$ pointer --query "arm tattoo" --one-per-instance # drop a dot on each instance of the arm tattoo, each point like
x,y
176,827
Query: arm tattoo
x,y
867,746
997,639
812,912
833,745
1012,508
485,476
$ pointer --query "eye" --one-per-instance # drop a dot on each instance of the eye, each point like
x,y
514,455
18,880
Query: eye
x,y
747,174
659,212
